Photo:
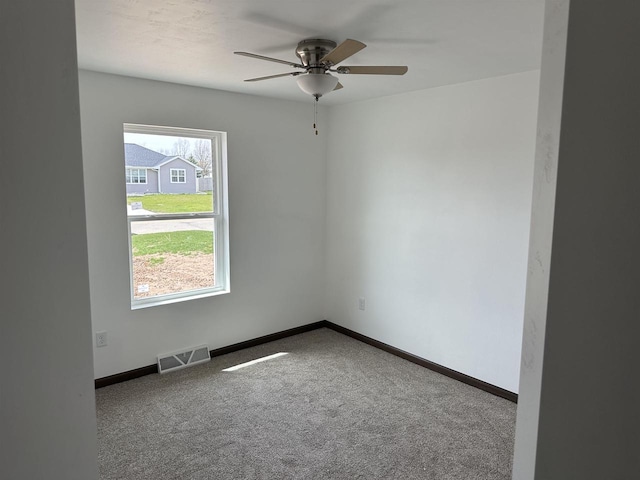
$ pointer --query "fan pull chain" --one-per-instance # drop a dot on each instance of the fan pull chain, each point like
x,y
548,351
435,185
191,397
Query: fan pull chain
x,y
315,115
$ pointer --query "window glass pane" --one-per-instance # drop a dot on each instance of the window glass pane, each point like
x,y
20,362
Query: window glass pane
x,y
172,174
172,256
178,175
185,184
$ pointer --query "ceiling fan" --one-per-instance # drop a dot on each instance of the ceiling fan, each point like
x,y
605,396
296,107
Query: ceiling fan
x,y
318,57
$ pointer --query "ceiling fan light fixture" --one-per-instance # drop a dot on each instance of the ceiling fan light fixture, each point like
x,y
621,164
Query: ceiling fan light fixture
x,y
317,84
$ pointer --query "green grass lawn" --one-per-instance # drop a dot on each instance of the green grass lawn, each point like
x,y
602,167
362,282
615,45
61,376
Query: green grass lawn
x,y
176,203
185,242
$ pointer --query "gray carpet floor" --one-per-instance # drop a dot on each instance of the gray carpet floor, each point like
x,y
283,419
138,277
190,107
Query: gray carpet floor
x,y
332,408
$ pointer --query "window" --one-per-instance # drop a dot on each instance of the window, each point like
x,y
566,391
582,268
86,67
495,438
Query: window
x,y
178,175
178,235
136,175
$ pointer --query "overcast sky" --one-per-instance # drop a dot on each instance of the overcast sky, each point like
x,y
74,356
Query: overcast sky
x,y
159,143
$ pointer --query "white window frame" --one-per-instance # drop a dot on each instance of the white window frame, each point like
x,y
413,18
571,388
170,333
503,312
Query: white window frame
x,y
129,174
220,217
180,172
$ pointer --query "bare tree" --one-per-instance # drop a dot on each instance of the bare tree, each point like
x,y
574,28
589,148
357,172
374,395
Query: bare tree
x,y
181,148
202,156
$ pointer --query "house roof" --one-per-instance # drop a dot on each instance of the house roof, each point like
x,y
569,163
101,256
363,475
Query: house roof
x,y
138,156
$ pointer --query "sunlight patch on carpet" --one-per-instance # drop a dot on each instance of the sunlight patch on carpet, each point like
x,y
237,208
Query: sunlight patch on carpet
x,y
253,362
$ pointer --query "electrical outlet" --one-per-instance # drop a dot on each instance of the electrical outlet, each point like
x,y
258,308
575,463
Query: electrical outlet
x,y
362,303
101,339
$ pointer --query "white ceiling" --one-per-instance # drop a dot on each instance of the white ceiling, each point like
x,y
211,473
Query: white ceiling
x,y
192,41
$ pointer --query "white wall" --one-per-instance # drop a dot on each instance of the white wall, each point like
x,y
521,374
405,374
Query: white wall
x,y
276,202
47,408
428,210
589,422
544,190
428,199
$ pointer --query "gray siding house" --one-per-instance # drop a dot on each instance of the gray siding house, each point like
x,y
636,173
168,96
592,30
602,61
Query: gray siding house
x,y
148,171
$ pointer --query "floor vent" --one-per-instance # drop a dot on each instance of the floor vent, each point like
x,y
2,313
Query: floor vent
x,y
183,358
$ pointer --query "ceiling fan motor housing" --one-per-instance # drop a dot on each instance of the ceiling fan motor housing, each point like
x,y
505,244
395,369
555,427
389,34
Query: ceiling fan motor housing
x,y
311,51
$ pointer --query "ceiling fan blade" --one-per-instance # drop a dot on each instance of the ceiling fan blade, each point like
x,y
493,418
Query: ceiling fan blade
x,y
342,51
269,59
291,74
338,87
373,70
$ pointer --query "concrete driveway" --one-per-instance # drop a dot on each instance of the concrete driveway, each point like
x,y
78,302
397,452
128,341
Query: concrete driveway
x,y
159,226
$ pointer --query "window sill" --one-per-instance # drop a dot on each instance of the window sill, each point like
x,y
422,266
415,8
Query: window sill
x,y
176,298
